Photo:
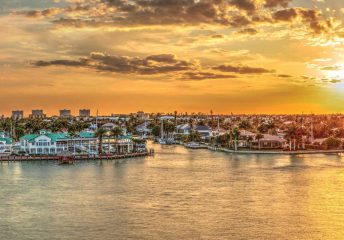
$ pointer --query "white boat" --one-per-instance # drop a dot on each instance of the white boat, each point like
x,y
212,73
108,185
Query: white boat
x,y
193,145
162,141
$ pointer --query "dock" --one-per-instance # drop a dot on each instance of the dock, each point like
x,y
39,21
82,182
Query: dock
x,y
75,157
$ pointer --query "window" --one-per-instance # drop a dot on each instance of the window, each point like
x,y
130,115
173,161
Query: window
x,y
42,143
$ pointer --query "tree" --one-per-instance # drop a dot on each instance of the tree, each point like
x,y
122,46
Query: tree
x,y
244,124
116,132
156,131
175,117
236,135
332,143
194,136
169,127
100,134
294,134
259,136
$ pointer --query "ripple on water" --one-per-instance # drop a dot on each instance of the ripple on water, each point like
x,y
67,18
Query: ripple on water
x,y
178,194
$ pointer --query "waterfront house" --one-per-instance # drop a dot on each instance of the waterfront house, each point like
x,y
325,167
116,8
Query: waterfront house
x,y
143,129
246,138
44,143
184,129
269,142
84,142
5,143
109,126
204,131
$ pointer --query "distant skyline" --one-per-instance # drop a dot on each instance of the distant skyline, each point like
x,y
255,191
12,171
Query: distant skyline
x,y
240,56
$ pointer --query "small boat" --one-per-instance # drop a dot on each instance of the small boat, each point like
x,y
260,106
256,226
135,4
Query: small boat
x,y
162,141
66,159
194,145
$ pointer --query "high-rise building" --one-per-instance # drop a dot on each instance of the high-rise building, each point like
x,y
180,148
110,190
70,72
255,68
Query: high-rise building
x,y
84,113
38,113
17,114
65,113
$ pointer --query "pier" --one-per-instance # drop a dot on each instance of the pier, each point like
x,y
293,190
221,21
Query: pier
x,y
75,157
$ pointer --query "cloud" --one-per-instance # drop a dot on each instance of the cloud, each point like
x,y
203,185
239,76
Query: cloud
x,y
331,68
276,3
248,14
311,17
242,69
249,31
49,12
284,76
153,64
205,76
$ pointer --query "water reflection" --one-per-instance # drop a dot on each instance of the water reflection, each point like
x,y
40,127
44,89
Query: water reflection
x,y
178,194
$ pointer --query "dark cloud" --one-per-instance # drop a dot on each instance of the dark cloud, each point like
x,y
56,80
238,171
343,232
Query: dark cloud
x,y
247,5
249,31
217,36
154,64
286,15
71,63
331,68
232,13
276,3
312,18
39,13
50,12
239,21
205,76
242,69
284,76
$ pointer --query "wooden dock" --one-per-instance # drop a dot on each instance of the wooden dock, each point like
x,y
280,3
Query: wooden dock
x,y
75,157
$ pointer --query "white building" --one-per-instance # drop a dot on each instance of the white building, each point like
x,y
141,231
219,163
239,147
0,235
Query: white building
x,y
5,143
45,143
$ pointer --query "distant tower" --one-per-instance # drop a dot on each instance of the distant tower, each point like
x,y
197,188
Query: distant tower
x,y
17,114
84,113
37,113
65,113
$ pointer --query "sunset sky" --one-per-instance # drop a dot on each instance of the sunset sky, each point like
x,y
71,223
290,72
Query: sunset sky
x,y
119,56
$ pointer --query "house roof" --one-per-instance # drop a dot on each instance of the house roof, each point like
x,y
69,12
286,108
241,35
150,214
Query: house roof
x,y
53,136
202,128
6,140
185,126
109,125
87,134
247,133
269,137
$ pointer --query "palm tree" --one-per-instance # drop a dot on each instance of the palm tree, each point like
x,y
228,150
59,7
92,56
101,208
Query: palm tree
x,y
249,140
116,132
73,134
258,137
175,117
100,134
236,135
292,135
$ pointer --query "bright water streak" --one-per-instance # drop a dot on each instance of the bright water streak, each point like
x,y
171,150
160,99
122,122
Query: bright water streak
x,y
178,194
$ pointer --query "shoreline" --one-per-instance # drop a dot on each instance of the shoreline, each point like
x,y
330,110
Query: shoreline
x,y
75,158
262,152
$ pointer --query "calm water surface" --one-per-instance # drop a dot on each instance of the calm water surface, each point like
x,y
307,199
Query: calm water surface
x,y
178,194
